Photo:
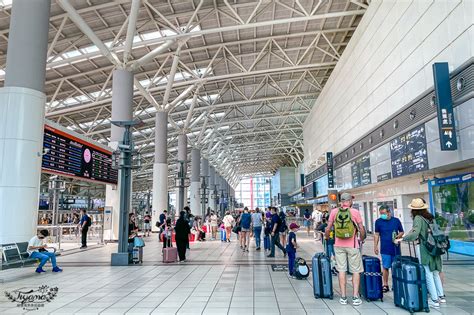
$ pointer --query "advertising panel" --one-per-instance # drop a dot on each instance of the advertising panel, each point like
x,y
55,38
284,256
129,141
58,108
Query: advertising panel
x,y
408,152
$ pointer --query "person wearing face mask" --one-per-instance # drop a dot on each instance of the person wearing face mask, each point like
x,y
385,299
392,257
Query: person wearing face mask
x,y
387,230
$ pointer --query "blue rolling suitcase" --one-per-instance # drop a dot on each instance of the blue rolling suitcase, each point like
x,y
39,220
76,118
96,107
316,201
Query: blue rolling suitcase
x,y
223,235
322,278
371,279
409,284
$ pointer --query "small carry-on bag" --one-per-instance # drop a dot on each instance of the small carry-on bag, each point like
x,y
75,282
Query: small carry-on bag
x,y
170,254
137,255
322,278
409,284
223,235
371,279
301,269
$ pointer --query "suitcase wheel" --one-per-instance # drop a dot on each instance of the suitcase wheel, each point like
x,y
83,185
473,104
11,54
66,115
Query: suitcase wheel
x,y
411,311
427,310
381,300
331,297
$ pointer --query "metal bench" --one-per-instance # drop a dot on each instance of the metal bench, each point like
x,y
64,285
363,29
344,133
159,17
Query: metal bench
x,y
15,255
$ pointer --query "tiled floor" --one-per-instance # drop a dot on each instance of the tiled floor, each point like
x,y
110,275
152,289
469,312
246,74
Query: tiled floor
x,y
218,279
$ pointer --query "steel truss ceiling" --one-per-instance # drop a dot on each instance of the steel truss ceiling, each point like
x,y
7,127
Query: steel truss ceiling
x,y
247,76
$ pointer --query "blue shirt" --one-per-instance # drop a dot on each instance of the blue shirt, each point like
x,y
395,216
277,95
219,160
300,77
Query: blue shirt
x,y
257,219
387,230
290,247
245,220
83,219
275,220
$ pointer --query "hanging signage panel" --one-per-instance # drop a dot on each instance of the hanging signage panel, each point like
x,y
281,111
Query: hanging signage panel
x,y
408,152
74,157
446,125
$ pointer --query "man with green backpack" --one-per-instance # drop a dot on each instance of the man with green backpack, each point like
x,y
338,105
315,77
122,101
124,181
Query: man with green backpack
x,y
349,232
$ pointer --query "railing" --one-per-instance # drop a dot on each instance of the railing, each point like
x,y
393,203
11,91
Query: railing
x,y
70,233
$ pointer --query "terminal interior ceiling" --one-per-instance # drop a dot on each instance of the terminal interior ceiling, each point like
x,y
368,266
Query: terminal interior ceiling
x,y
247,73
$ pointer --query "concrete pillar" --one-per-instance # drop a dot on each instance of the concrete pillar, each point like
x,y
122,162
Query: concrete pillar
x,y
160,167
122,110
212,188
182,156
195,198
22,103
205,180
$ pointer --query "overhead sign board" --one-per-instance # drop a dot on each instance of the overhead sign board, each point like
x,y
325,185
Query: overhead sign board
x,y
330,167
408,152
68,155
444,101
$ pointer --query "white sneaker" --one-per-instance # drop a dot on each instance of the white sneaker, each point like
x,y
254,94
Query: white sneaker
x,y
432,303
442,299
343,300
356,301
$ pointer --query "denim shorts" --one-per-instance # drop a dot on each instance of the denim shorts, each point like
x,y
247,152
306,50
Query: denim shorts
x,y
387,261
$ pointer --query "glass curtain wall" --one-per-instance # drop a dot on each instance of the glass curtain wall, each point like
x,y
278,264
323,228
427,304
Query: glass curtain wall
x,y
254,192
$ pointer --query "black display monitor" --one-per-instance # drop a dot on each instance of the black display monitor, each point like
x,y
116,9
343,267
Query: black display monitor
x,y
71,156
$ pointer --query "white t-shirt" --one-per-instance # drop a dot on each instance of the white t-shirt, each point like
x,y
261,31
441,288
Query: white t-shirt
x,y
317,216
228,220
35,241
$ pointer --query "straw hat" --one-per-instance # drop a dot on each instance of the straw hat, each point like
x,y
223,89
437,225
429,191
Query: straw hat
x,y
418,204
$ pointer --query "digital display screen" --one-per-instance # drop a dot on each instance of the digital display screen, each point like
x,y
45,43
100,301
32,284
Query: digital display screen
x,y
70,156
360,170
408,152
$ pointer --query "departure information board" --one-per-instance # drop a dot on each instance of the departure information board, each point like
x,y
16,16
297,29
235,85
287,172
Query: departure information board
x,y
70,156
360,170
408,152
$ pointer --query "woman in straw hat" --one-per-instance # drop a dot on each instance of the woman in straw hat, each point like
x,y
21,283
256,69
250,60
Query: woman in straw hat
x,y
432,264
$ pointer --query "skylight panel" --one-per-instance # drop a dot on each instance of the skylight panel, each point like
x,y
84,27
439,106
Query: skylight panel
x,y
5,3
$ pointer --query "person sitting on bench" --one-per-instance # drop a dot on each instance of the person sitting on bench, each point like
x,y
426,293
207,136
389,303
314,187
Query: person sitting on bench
x,y
37,250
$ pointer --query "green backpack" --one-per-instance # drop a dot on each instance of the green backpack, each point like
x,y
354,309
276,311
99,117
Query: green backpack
x,y
343,225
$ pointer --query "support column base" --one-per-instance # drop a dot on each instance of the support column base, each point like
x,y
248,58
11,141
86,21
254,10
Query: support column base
x,y
120,259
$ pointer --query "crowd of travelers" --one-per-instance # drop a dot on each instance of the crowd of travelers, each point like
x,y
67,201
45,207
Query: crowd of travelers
x,y
342,242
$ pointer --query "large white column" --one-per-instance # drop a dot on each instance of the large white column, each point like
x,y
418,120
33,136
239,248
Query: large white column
x,y
22,103
212,187
122,110
205,177
160,167
182,156
195,198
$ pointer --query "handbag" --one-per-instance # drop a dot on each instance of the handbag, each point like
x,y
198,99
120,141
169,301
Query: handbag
x,y
138,242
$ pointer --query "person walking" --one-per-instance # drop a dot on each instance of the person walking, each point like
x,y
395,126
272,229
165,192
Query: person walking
x,y
37,250
347,222
245,222
291,248
316,217
267,231
257,221
84,225
147,224
387,230
433,264
182,231
229,222
214,225
160,224
275,234
307,221
283,229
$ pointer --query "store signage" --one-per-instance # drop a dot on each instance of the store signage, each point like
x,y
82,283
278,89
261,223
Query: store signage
x,y
330,167
446,124
310,190
71,156
382,177
408,152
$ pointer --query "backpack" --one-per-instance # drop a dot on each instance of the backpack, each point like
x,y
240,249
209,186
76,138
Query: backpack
x,y
88,221
343,225
436,242
301,269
